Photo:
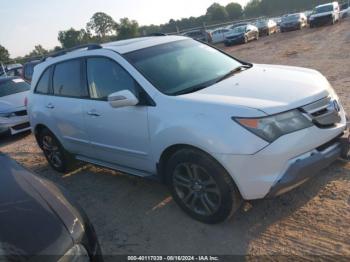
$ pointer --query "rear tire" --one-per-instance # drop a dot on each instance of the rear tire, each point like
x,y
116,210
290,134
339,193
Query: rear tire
x,y
201,186
58,158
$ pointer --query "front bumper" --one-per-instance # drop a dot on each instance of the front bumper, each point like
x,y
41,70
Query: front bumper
x,y
238,40
290,27
15,125
255,175
304,169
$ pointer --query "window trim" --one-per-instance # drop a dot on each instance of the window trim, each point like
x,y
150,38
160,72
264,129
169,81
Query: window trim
x,y
49,70
53,66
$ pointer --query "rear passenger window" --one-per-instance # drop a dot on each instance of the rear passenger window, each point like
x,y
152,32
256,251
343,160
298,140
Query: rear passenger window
x,y
67,79
106,77
43,85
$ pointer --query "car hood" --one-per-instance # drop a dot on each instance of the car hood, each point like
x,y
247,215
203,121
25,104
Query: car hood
x,y
28,224
234,34
11,102
268,88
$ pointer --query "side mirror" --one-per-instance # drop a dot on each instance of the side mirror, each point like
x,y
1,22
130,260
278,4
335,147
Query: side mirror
x,y
122,99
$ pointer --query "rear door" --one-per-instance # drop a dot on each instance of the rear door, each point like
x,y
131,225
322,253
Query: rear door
x,y
66,103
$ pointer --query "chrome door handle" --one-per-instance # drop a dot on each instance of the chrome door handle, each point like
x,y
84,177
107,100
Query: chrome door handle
x,y
93,113
50,106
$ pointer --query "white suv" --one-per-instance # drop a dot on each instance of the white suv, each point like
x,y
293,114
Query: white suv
x,y
215,129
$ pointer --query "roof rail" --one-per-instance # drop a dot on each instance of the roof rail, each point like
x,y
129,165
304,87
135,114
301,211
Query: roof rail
x,y
65,51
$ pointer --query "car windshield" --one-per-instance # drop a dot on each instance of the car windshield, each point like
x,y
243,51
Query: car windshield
x,y
182,66
291,17
323,9
239,29
13,86
261,23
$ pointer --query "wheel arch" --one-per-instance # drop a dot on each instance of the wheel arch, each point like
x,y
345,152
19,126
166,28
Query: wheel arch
x,y
170,150
38,128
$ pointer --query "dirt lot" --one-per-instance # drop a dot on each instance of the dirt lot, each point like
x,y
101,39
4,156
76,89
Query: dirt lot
x,y
132,215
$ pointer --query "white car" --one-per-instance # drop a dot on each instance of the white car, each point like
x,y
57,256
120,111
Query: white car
x,y
323,14
13,113
217,130
218,35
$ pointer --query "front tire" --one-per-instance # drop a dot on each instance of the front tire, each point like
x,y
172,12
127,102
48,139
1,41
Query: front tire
x,y
58,158
201,186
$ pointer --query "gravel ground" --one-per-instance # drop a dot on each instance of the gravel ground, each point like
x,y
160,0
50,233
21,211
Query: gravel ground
x,y
133,215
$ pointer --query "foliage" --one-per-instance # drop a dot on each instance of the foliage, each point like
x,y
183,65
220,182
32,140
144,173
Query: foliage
x,y
102,24
234,10
38,51
72,37
127,28
217,12
4,54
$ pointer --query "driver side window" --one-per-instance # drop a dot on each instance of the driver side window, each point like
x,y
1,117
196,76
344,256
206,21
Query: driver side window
x,y
105,77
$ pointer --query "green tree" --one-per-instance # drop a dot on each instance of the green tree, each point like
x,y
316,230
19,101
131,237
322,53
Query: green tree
x,y
127,28
72,37
4,54
102,24
217,12
234,10
252,9
38,51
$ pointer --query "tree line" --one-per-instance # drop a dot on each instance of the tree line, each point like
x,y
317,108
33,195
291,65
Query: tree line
x,y
103,28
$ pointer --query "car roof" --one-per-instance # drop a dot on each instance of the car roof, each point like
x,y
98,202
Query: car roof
x,y
130,45
333,3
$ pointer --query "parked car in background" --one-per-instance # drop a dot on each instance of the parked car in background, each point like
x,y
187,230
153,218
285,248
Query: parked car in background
x,y
277,20
13,112
266,27
325,14
39,221
28,69
242,34
218,35
293,22
345,10
237,25
199,34
11,70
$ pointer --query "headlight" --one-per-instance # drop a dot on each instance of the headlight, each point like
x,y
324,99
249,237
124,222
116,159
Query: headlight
x,y
272,127
77,253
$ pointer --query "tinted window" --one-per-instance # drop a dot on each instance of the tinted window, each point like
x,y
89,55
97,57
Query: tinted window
x,y
67,79
43,84
106,77
13,86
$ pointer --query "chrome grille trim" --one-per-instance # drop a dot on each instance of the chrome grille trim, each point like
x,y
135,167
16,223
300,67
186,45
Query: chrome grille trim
x,y
323,113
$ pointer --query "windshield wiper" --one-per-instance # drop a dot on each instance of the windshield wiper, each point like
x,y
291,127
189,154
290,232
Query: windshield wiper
x,y
234,71
191,89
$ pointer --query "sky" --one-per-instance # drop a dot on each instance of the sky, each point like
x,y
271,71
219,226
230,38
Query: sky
x,y
26,23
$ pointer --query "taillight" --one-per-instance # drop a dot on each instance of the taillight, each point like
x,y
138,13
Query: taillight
x,y
25,101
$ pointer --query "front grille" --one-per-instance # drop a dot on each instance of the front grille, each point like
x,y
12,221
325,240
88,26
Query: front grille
x,y
21,126
21,113
323,113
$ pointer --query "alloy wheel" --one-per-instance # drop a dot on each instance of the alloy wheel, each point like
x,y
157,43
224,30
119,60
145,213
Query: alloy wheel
x,y
196,189
52,151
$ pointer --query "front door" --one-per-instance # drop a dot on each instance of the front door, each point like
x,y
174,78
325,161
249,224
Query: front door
x,y
117,135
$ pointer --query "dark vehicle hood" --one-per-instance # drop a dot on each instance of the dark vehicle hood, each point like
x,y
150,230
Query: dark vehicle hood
x,y
28,224
235,35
